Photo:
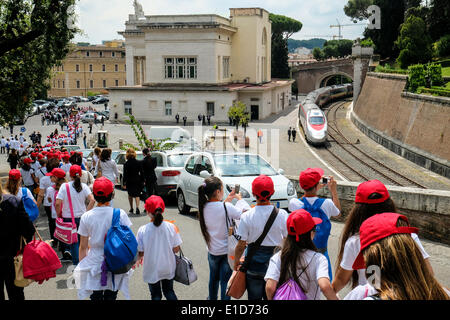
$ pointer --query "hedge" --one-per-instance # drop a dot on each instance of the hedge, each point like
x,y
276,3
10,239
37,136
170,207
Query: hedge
x,y
439,92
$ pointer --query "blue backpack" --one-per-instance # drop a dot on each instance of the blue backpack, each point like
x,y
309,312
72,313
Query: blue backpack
x,y
322,230
30,206
120,246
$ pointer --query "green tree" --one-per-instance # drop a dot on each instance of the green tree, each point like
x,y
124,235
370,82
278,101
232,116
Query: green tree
x,y
318,54
439,18
414,43
34,36
338,48
282,29
238,112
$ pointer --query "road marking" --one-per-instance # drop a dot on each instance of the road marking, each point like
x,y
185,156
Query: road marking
x,y
316,155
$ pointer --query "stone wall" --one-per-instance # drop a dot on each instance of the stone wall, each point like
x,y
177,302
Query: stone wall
x,y
413,126
425,209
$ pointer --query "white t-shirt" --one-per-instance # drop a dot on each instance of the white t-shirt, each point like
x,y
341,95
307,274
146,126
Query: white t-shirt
x,y
351,251
66,167
44,183
361,292
40,173
216,225
252,224
95,224
36,165
50,193
328,206
317,269
26,177
3,142
78,199
157,243
109,170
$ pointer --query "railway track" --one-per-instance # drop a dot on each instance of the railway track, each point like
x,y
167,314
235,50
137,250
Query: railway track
x,y
358,163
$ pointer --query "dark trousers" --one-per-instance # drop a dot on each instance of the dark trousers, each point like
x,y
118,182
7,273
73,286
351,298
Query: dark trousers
x,y
256,286
106,295
150,188
7,276
167,289
2,150
51,223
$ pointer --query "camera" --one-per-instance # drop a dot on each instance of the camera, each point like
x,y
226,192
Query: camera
x,y
325,180
237,188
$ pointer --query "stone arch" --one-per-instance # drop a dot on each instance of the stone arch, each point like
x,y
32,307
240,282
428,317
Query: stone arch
x,y
264,37
330,74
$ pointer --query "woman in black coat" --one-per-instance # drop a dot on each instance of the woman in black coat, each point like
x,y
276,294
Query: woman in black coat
x,y
133,179
14,223
13,159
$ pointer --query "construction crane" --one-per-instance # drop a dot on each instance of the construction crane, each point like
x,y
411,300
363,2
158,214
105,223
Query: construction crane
x,y
340,26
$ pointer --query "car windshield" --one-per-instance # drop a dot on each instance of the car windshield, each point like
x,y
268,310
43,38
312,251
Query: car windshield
x,y
241,165
177,160
316,120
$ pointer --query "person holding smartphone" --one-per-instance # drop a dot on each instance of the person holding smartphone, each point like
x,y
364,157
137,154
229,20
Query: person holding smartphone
x,y
311,181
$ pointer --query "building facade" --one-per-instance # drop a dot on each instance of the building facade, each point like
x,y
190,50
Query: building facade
x,y
89,68
198,64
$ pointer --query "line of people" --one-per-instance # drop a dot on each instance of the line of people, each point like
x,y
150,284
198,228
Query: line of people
x,y
295,247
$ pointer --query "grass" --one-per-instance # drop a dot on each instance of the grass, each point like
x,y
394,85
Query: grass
x,y
446,72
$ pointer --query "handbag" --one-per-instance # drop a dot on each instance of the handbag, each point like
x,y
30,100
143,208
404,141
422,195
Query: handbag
x,y
20,280
66,231
237,283
184,272
233,238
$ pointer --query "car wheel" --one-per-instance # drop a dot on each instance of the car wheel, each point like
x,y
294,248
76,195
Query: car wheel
x,y
181,203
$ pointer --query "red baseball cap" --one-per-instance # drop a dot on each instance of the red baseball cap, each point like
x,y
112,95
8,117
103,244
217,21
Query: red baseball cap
x,y
261,184
14,174
34,154
75,170
57,172
378,227
153,203
27,160
300,222
102,186
367,188
40,156
310,177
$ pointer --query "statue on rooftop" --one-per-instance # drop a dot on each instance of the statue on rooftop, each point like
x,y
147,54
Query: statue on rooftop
x,y
138,11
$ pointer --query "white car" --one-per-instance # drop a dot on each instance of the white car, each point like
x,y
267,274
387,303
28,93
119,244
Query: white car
x,y
237,168
90,117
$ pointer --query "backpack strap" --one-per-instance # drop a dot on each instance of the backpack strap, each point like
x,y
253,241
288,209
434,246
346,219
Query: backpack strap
x,y
116,217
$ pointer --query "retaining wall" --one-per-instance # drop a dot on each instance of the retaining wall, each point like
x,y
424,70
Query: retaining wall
x,y
426,209
417,127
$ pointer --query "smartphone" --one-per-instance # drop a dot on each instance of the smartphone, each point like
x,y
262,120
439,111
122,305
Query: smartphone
x,y
237,188
325,180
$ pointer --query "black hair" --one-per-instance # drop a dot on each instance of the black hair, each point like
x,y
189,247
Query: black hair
x,y
76,158
205,192
52,164
77,184
104,199
158,217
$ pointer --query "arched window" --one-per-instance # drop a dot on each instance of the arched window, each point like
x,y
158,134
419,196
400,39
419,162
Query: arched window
x,y
264,37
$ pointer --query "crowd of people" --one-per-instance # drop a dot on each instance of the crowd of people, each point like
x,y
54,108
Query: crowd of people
x,y
286,245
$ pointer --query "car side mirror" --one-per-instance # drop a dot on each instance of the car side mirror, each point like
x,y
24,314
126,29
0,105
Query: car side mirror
x,y
281,171
205,174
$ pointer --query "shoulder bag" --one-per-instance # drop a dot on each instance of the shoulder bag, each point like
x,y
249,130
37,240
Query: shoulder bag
x,y
20,281
233,238
237,283
66,231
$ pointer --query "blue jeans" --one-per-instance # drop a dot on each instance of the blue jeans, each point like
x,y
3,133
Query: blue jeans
x,y
219,273
167,289
74,247
256,285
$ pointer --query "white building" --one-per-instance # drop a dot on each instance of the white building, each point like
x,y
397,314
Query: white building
x,y
198,64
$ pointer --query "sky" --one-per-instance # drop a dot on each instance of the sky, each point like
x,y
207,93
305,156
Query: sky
x,y
102,19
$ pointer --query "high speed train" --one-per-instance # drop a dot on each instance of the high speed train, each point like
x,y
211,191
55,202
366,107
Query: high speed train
x,y
312,118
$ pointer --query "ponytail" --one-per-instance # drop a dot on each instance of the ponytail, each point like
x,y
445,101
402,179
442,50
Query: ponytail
x,y
205,192
202,200
158,217
77,184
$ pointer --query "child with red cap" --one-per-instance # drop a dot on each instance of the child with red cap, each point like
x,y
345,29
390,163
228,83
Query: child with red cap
x,y
310,182
94,225
251,227
299,259
386,242
372,197
157,243
28,176
14,185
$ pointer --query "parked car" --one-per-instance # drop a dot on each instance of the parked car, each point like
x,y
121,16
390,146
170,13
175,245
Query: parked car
x,y
90,117
72,147
238,168
100,100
